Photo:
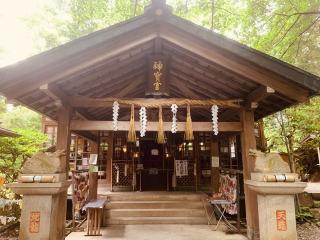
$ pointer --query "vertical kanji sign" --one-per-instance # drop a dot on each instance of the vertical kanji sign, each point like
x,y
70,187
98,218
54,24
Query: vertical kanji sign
x,y
281,220
34,225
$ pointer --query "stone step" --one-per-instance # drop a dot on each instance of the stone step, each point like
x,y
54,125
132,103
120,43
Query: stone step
x,y
156,220
136,196
154,205
114,213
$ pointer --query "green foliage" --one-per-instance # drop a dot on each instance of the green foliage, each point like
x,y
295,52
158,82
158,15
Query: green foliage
x,y
300,121
316,204
65,20
304,214
15,151
288,30
18,117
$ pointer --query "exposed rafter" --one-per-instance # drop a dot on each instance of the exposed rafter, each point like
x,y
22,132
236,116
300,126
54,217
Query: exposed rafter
x,y
59,97
258,95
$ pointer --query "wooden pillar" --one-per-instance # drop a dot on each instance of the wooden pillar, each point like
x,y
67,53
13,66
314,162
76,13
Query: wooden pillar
x,y
93,176
215,173
248,142
64,134
64,116
109,160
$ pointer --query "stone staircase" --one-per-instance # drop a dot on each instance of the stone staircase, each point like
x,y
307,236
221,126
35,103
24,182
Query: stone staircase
x,y
155,208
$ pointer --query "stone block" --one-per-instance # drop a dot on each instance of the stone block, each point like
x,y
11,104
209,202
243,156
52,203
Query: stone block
x,y
46,162
277,217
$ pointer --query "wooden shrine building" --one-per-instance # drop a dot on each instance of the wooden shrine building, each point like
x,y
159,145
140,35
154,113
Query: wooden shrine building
x,y
153,61
7,133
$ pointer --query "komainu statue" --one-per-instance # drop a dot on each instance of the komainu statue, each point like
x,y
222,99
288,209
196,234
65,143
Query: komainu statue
x,y
43,163
269,162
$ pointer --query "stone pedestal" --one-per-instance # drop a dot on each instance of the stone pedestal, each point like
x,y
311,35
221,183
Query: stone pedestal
x,y
276,208
43,210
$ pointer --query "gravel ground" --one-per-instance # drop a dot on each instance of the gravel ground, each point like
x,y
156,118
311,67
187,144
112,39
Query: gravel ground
x,y
306,231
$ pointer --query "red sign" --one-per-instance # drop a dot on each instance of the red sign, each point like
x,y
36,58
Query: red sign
x,y
34,225
281,220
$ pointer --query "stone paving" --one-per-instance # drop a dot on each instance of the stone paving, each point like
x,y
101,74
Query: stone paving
x,y
159,232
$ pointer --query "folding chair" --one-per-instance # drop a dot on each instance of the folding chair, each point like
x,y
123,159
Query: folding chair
x,y
226,197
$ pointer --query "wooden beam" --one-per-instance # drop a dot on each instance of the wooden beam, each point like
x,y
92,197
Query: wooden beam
x,y
258,95
45,89
79,101
80,125
87,135
60,98
241,67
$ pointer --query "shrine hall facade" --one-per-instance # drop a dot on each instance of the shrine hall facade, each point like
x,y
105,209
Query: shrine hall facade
x,y
155,61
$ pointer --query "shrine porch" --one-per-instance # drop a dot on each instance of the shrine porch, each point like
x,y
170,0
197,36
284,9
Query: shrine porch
x,y
160,232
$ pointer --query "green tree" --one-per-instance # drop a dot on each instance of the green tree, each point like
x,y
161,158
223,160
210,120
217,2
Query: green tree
x,y
285,131
15,151
288,30
18,117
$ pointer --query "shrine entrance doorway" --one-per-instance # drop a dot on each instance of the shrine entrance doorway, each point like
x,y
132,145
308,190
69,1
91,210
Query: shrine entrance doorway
x,y
154,173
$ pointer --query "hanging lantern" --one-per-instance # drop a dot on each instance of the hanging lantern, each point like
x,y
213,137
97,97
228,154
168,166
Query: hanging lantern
x,y
160,138
132,132
214,112
189,130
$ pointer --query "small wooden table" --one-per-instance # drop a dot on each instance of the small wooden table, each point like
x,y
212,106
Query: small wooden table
x,y
94,216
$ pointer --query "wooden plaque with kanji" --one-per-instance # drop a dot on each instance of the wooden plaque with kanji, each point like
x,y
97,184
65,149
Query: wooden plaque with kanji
x,y
157,76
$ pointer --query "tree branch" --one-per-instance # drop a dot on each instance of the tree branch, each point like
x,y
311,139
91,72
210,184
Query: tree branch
x,y
298,49
299,13
223,9
286,33
299,36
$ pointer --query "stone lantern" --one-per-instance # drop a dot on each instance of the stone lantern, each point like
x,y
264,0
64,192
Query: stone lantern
x,y
44,185
276,187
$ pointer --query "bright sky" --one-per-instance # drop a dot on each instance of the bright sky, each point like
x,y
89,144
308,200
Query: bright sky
x,y
16,41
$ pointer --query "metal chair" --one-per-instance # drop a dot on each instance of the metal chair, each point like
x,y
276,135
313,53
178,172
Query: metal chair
x,y
226,197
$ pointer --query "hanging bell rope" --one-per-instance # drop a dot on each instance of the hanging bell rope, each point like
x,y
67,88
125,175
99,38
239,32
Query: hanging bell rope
x,y
132,132
160,137
189,130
